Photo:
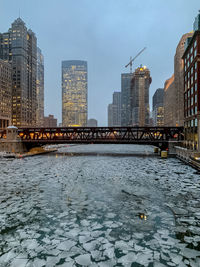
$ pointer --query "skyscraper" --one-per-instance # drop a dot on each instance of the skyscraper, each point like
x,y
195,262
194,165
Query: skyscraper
x,y
179,81
126,99
140,84
169,100
5,94
74,93
174,88
19,47
158,109
40,89
114,110
191,76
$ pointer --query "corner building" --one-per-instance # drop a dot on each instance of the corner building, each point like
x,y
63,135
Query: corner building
x,y
191,59
140,84
18,46
74,93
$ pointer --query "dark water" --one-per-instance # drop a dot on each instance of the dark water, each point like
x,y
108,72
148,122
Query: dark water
x,y
98,205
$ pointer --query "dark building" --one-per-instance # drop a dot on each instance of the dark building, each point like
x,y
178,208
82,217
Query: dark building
x,y
114,110
50,121
140,84
74,93
19,47
126,99
158,109
191,59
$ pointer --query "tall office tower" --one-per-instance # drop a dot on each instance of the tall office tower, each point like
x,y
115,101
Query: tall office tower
x,y
126,99
179,81
19,47
169,107
114,110
74,93
140,84
5,94
191,59
40,89
158,109
174,88
110,115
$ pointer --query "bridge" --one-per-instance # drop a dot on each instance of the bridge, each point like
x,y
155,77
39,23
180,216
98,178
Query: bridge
x,y
157,136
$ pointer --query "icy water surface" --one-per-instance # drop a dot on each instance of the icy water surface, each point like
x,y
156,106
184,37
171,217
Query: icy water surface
x,y
97,205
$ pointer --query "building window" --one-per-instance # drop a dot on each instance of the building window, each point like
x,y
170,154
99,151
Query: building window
x,y
195,110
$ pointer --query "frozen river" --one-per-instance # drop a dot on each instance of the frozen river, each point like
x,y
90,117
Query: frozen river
x,y
98,205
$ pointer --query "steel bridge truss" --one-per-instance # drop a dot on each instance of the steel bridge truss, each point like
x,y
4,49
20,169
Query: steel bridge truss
x,y
112,135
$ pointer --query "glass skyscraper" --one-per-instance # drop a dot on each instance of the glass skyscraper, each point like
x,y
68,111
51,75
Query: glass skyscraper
x,y
74,93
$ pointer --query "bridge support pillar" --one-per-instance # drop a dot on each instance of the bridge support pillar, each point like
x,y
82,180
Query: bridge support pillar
x,y
172,145
12,143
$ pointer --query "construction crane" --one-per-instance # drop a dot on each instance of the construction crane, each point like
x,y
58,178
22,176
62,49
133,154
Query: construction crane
x,y
132,59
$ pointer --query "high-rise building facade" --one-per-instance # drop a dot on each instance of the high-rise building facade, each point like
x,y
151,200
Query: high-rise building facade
x,y
19,47
114,110
179,81
74,93
40,88
169,107
174,88
126,99
5,94
191,59
158,109
140,84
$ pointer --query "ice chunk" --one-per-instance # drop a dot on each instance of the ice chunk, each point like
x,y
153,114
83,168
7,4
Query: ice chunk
x,y
83,260
129,258
190,253
90,245
66,245
19,262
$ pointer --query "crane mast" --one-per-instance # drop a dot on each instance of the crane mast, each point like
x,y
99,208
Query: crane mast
x,y
132,59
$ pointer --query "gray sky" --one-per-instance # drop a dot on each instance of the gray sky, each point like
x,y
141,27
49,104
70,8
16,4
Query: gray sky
x,y
105,33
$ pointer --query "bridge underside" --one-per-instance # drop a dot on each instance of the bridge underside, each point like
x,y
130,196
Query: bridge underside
x,y
156,136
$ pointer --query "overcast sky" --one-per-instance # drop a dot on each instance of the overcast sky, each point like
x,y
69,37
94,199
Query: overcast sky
x,y
105,33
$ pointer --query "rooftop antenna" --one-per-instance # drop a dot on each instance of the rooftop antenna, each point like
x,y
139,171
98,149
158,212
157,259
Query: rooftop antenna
x,y
19,12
